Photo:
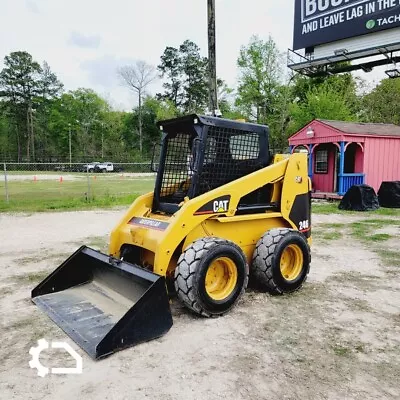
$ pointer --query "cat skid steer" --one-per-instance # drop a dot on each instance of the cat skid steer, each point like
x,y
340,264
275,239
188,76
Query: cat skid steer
x,y
222,208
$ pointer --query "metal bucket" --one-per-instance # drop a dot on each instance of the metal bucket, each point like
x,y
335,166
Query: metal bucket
x,y
104,304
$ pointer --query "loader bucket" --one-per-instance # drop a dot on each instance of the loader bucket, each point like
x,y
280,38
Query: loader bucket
x,y
104,304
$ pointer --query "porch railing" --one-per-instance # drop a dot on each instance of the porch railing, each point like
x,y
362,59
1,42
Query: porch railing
x,y
348,180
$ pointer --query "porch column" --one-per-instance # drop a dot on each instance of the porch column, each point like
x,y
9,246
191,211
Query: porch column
x,y
341,168
310,161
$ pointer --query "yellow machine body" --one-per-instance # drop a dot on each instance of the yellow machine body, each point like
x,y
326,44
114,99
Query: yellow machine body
x,y
221,205
162,238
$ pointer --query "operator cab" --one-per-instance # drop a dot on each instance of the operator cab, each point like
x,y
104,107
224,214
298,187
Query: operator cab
x,y
201,153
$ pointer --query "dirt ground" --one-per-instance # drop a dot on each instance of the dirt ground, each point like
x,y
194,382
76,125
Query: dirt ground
x,y
337,338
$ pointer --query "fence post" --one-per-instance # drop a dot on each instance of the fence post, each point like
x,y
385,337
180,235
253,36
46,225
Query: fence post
x,y
88,182
6,182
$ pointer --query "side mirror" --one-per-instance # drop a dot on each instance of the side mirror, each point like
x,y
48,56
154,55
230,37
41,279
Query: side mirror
x,y
155,160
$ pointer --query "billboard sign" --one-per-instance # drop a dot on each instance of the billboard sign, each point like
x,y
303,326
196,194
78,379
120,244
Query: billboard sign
x,y
323,21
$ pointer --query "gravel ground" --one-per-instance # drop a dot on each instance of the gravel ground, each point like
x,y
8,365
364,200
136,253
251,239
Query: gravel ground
x,y
337,338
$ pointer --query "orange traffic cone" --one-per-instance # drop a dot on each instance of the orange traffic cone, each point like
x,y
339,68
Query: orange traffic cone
x,y
34,178
94,177
61,179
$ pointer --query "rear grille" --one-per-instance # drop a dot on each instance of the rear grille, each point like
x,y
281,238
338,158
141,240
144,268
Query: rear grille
x,y
230,154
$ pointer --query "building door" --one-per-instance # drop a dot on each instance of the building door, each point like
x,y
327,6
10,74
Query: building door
x,y
324,177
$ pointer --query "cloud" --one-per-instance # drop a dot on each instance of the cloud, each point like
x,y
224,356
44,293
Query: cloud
x,y
102,71
102,74
32,6
87,41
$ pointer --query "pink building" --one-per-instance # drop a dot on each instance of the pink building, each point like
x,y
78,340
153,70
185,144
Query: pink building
x,y
348,153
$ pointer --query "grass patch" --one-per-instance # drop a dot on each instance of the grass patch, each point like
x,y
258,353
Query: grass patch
x,y
334,226
390,257
358,305
341,351
381,223
347,349
363,230
378,237
30,205
31,277
105,191
20,324
332,235
29,260
352,278
340,346
333,208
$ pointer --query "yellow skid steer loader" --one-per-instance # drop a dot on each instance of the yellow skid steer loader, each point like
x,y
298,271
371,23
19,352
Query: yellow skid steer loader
x,y
222,208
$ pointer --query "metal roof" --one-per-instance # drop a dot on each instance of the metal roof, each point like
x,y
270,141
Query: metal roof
x,y
214,121
364,129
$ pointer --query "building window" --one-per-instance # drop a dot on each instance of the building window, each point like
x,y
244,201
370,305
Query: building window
x,y
321,162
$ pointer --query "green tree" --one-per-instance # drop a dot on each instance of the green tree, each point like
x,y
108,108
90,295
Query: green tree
x,y
83,113
383,103
18,83
185,73
260,76
322,102
7,146
344,84
25,87
195,82
170,69
153,110
48,90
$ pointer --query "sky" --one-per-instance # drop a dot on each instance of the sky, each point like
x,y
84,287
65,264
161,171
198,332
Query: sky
x,y
86,41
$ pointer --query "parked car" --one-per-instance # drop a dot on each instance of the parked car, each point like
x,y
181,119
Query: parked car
x,y
104,167
89,167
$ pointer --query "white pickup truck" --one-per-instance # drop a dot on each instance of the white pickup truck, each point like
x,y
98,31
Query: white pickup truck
x,y
99,167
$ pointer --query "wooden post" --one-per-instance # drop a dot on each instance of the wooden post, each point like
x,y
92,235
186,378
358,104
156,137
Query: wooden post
x,y
212,66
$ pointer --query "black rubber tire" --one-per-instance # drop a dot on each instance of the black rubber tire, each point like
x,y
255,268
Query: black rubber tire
x,y
266,269
191,271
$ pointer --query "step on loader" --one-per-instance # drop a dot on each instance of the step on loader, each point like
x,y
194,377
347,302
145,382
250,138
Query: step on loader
x,y
223,207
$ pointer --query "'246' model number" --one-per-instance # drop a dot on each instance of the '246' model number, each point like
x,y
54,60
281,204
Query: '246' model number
x,y
304,225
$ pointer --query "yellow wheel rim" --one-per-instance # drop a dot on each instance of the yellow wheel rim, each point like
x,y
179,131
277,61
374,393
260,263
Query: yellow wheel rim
x,y
291,262
221,278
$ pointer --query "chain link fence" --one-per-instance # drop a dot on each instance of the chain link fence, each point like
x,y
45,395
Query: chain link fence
x,y
60,184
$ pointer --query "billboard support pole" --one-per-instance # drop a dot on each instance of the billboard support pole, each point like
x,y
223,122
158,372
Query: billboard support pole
x,y
212,64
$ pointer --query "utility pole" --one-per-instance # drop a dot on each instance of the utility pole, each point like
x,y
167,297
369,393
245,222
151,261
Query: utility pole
x,y
212,66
